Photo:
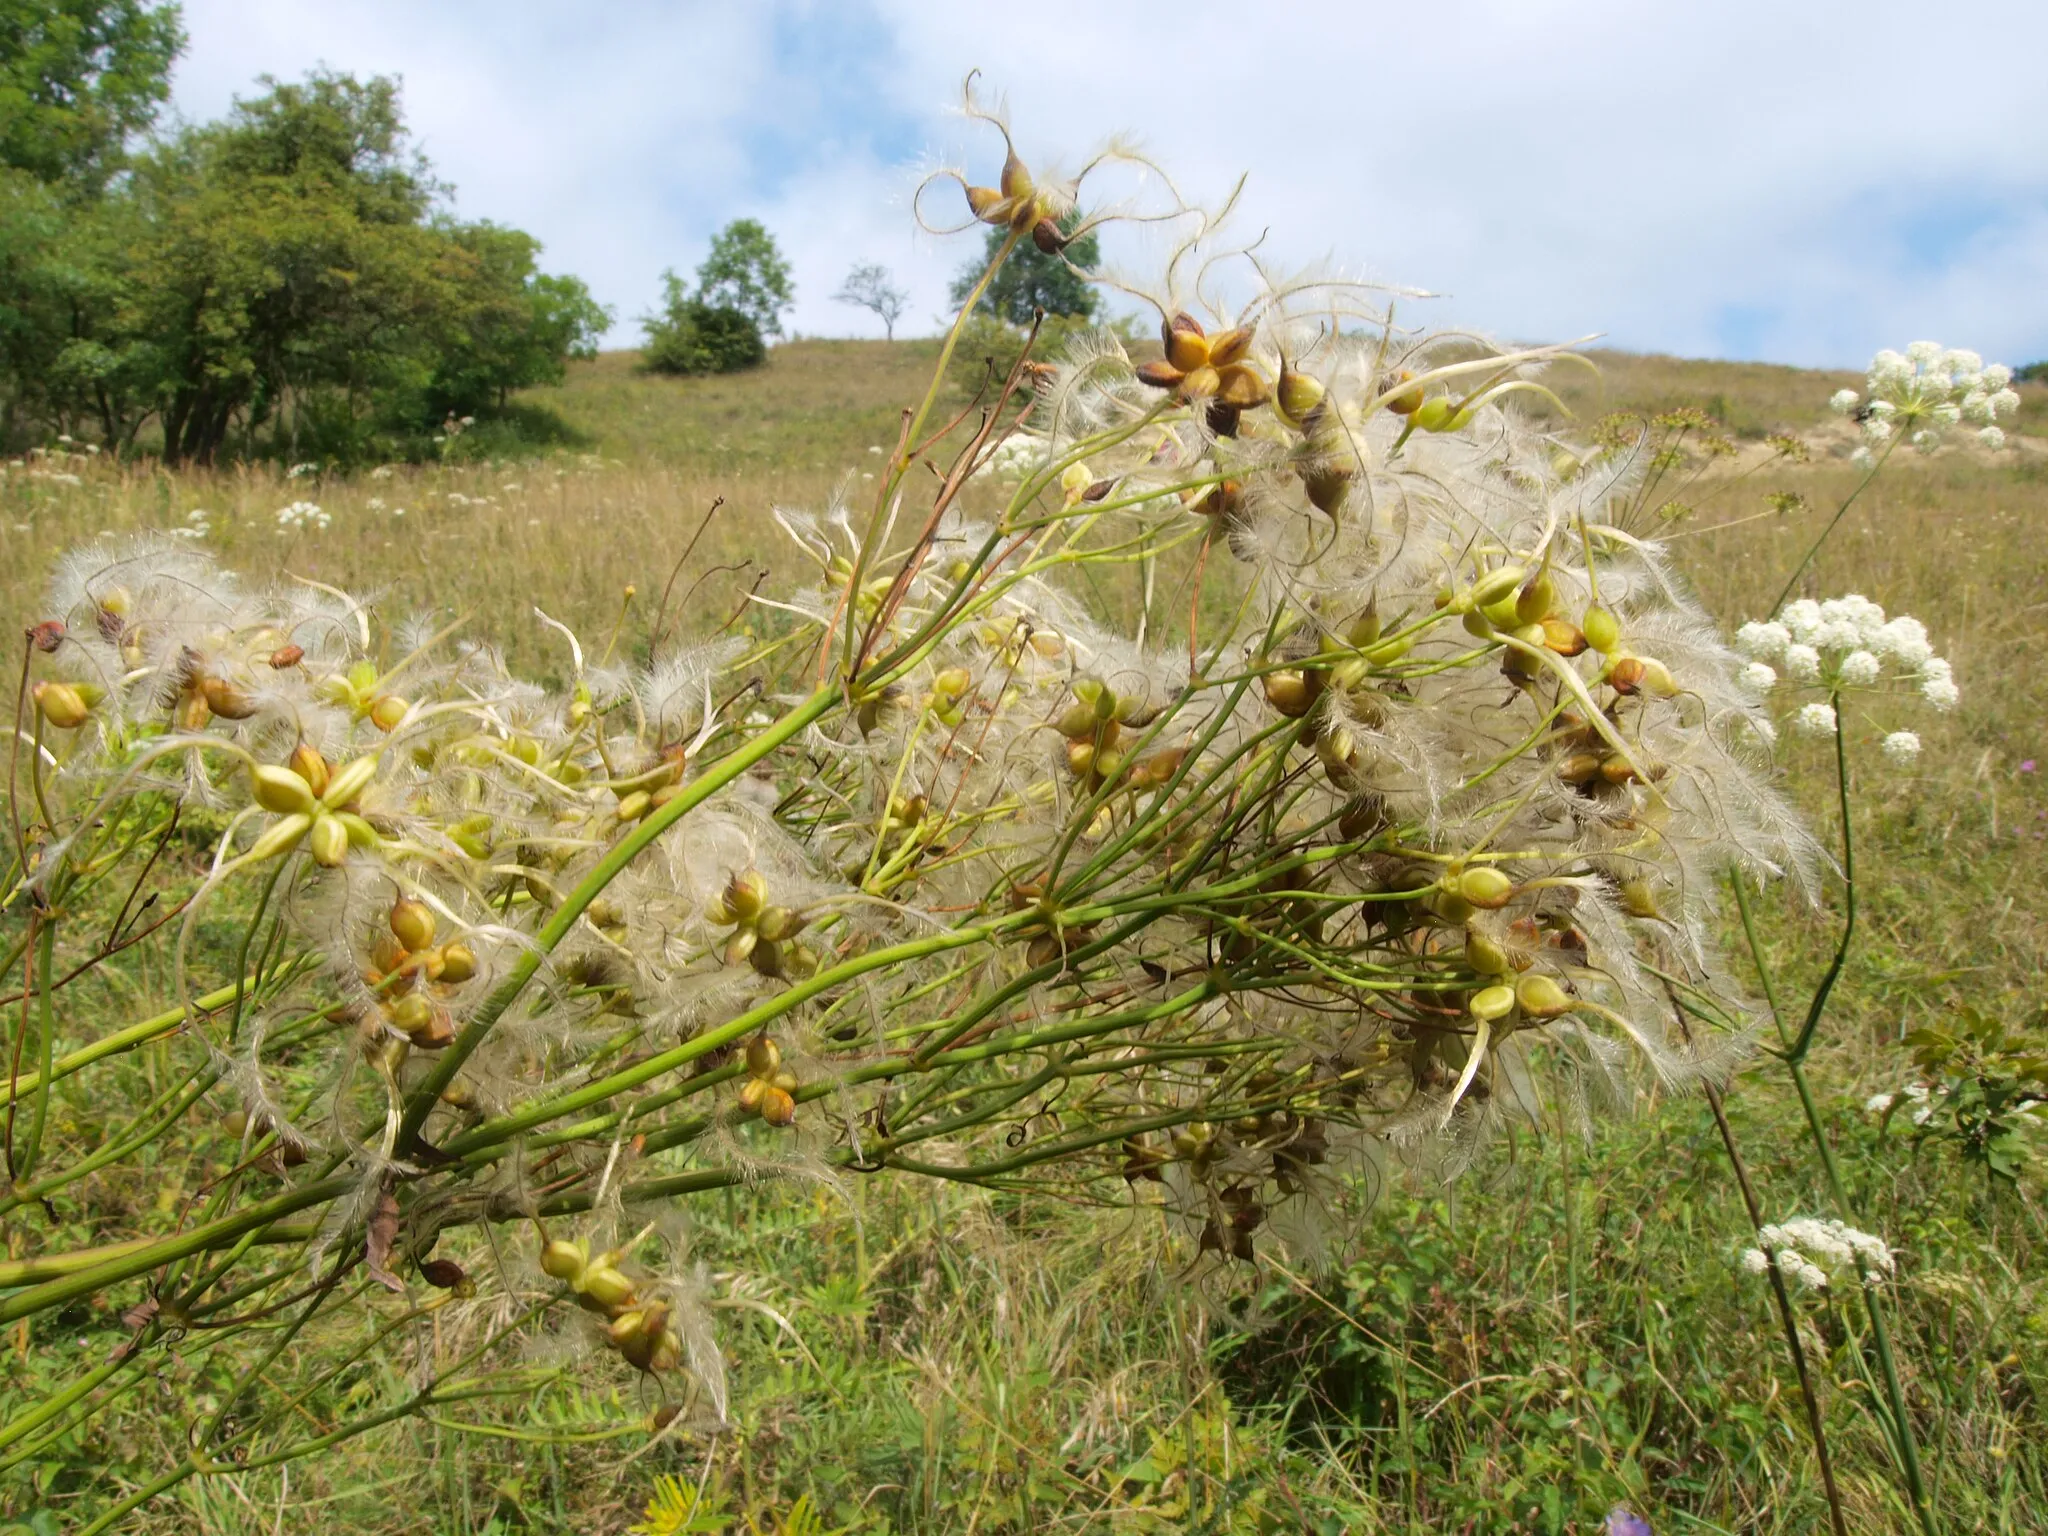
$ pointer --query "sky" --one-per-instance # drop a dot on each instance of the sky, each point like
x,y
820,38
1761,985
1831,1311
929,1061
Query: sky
x,y
1800,182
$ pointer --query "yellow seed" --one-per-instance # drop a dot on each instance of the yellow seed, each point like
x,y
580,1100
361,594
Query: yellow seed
x,y
764,1056
605,1286
747,894
565,1260
778,1108
1601,629
328,842
1490,1003
458,963
62,705
281,791
412,923
309,765
387,712
1485,886
345,783
1541,997
635,805
282,837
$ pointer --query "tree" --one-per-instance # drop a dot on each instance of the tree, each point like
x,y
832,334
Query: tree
x,y
869,287
690,335
78,78
745,271
519,328
1032,280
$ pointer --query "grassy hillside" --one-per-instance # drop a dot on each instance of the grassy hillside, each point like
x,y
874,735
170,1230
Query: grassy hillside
x,y
1564,1333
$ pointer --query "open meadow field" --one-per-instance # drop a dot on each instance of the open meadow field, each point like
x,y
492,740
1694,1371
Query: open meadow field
x,y
1565,1328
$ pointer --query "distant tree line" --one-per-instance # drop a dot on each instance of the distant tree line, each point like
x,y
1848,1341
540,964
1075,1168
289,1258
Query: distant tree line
x,y
284,281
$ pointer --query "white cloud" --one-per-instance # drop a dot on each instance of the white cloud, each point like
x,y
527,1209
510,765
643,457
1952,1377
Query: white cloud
x,y
1805,183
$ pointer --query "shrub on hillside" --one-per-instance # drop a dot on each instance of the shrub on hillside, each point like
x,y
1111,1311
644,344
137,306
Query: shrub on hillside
x,y
691,335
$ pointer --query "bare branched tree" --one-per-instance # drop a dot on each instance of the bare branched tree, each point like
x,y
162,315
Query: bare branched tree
x,y
869,286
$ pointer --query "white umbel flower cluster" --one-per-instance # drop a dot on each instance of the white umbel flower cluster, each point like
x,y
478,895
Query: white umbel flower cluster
x,y
1927,389
1847,643
1810,1251
301,515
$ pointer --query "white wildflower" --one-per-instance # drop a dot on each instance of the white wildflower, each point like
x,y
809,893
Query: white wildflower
x,y
1765,641
1802,663
1843,401
301,515
1902,746
1860,669
1905,639
1815,720
1878,1103
1991,437
1942,693
1758,679
1755,1260
1863,458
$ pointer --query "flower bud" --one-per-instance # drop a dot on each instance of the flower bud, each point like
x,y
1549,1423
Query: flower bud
x,y
1541,997
62,705
328,842
281,791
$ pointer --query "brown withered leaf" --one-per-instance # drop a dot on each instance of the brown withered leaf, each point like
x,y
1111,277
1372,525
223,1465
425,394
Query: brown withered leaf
x,y
377,1243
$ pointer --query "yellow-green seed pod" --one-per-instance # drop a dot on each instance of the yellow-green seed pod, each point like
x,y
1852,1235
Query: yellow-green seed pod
x,y
282,836
412,923
564,1260
777,923
1297,396
1502,612
458,963
309,765
1387,652
747,894
1477,624
741,945
1289,691
952,682
1496,584
635,804
281,791
667,1353
1638,898
1435,415
360,833
61,704
1541,997
1538,595
328,842
605,1286
764,1056
348,781
411,1014
778,1107
1485,955
1601,629
1484,886
1490,1003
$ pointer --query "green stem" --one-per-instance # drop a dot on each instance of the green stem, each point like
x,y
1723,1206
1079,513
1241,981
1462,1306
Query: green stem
x,y
1840,512
707,784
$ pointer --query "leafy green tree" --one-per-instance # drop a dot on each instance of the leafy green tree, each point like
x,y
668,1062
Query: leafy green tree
x,y
79,78
689,335
745,271
520,327
1032,280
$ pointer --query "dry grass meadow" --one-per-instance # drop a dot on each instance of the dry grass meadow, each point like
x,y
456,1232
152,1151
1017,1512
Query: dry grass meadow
x,y
1552,1340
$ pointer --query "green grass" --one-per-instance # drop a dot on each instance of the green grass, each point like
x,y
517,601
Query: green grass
x,y
1564,1329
